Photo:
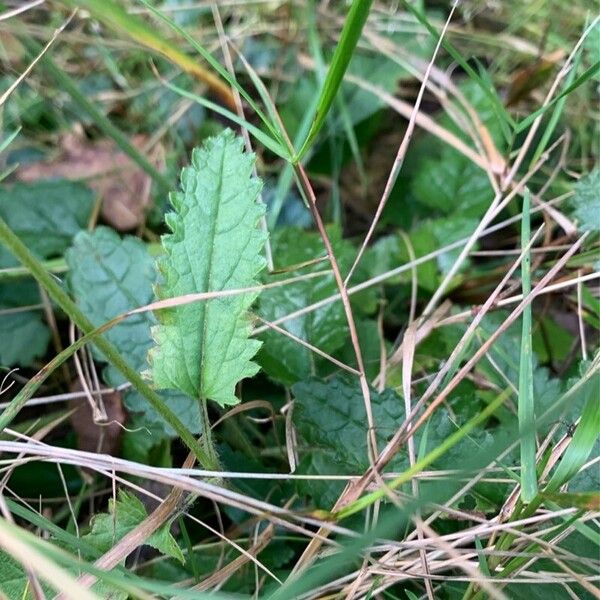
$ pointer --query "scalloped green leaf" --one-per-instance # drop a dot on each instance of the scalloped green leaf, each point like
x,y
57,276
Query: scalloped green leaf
x,y
330,421
203,348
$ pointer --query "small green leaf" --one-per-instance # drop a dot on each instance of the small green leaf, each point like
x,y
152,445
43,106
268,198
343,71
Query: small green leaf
x,y
453,185
108,276
24,335
45,215
203,348
123,516
586,202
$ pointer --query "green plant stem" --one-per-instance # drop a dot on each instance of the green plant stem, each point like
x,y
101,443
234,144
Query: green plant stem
x,y
55,291
207,432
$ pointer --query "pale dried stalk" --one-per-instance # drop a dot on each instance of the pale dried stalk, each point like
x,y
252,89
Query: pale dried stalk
x,y
399,160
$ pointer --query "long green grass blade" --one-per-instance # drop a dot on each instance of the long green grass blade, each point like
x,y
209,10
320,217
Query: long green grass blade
x,y
526,408
357,17
265,139
581,445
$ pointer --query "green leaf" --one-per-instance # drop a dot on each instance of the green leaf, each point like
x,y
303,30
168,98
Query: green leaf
x,y
330,415
203,348
453,185
14,583
330,419
24,335
281,357
108,276
45,215
124,515
586,202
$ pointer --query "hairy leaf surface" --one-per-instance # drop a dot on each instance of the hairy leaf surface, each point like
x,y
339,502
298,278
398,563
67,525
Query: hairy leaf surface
x,y
203,348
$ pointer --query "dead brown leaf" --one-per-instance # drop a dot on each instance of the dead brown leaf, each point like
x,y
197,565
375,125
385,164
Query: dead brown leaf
x,y
123,187
104,437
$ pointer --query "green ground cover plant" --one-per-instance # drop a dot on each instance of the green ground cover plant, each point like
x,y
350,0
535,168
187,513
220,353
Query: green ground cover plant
x,y
299,299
